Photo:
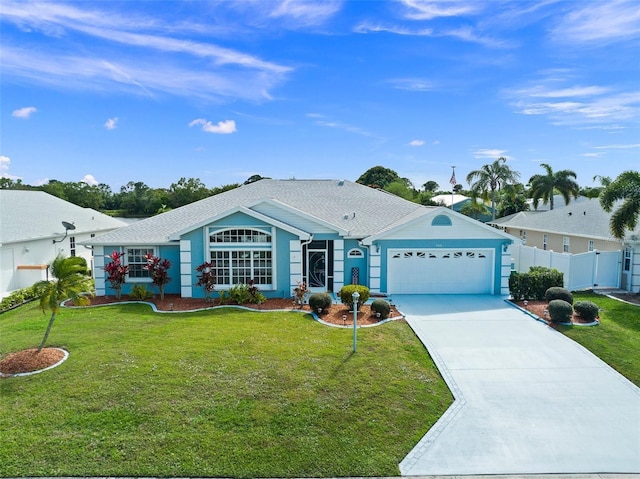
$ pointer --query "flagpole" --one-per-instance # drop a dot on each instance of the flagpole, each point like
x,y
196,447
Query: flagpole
x,y
453,183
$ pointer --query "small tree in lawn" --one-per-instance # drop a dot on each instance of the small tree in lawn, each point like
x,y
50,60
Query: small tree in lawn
x,y
70,281
116,272
206,279
158,271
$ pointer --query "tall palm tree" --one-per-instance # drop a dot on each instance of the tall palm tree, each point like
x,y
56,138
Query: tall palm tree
x,y
489,179
70,282
544,186
625,187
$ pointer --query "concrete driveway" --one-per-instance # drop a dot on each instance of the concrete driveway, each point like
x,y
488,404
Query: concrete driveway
x,y
528,399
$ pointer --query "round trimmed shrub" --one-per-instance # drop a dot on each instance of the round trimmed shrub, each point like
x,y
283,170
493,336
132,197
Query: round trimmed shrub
x,y
319,301
382,307
556,292
587,310
346,294
560,311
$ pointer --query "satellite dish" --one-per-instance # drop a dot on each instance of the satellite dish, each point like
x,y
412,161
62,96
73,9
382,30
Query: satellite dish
x,y
68,226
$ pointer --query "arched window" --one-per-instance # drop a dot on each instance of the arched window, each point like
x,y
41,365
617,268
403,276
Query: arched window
x,y
441,220
355,253
242,255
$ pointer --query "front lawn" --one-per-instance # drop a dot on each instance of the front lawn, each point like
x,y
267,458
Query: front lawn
x,y
224,393
617,339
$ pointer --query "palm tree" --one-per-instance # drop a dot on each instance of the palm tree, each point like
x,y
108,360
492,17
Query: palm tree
x,y
489,179
544,186
474,209
625,187
512,199
71,281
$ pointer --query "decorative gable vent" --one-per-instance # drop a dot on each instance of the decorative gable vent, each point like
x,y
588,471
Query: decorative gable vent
x,y
441,220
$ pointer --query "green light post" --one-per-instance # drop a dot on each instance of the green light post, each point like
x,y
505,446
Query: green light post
x,y
356,297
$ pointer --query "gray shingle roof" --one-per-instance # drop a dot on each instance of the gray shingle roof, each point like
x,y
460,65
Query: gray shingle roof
x,y
28,215
327,200
585,218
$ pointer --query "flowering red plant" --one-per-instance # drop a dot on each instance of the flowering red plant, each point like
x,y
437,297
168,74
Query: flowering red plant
x,y
158,271
206,279
116,272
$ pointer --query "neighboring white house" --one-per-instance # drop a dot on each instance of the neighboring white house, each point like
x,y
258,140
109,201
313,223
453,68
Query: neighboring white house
x,y
446,200
579,228
32,234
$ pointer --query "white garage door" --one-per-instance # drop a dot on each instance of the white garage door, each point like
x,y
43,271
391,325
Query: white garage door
x,y
440,271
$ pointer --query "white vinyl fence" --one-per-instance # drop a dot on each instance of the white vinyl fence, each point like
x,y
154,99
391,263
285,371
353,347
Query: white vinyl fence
x,y
595,269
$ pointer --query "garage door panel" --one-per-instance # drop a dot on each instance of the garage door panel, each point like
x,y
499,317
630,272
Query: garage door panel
x,y
440,271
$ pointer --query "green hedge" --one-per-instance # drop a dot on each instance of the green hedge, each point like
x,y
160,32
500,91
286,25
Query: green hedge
x,y
535,283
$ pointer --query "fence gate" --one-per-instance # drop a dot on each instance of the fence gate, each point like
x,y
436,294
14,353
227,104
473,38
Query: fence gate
x,y
595,269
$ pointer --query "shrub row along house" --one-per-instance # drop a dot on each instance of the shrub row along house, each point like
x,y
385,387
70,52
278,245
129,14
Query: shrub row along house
x,y
326,233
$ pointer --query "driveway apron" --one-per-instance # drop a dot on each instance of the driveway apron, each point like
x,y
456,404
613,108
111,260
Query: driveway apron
x,y
528,400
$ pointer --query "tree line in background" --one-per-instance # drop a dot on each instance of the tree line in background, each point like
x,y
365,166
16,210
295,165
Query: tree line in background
x,y
494,184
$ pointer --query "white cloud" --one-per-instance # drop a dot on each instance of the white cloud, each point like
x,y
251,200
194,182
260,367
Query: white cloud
x,y
603,22
416,143
427,10
111,123
4,166
619,147
346,127
90,180
577,104
306,13
493,154
162,63
24,112
413,84
222,127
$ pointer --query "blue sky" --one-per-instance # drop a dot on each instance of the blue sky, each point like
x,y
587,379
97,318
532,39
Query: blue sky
x,y
153,91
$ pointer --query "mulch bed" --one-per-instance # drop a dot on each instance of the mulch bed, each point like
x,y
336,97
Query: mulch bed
x,y
539,307
334,314
29,360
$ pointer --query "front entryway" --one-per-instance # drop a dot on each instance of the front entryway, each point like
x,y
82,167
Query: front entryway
x,y
440,271
316,270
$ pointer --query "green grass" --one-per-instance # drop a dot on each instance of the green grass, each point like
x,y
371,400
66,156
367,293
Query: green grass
x,y
219,393
616,340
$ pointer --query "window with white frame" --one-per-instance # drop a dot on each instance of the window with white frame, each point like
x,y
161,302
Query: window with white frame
x,y
136,260
523,236
355,253
72,245
242,255
545,241
565,244
626,263
591,245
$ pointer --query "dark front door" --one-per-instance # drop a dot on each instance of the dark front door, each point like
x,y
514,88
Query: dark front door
x,y
317,269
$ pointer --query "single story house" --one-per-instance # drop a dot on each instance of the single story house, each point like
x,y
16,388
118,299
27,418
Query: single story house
x,y
326,233
33,233
579,227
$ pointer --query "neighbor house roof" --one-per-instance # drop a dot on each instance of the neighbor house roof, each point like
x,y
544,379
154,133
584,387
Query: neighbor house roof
x,y
585,218
27,215
448,200
558,202
349,207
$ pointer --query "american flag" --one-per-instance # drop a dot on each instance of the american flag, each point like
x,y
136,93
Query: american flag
x,y
453,179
